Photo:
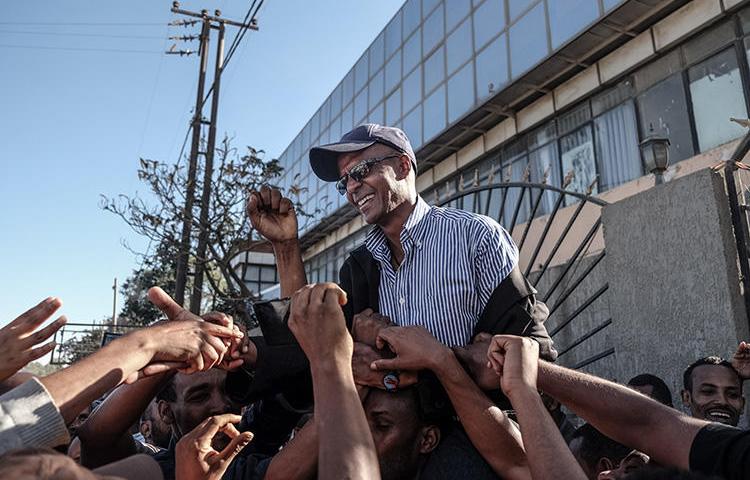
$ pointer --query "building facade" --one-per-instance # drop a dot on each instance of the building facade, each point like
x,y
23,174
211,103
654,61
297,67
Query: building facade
x,y
555,91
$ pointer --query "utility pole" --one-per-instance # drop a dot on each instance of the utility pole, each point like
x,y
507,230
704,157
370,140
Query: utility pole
x,y
209,22
114,304
208,172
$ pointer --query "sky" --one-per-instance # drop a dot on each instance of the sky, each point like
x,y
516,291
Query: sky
x,y
86,91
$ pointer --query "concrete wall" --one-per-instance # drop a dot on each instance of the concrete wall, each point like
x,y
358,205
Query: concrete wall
x,y
675,292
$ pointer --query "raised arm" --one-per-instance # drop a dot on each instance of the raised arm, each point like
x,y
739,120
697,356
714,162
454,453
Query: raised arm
x,y
298,460
273,216
514,359
493,434
346,448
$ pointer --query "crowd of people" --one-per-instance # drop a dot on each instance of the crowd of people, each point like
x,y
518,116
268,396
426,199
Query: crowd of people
x,y
429,359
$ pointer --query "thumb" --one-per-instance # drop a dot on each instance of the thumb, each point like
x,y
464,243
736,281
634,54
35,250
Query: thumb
x,y
230,451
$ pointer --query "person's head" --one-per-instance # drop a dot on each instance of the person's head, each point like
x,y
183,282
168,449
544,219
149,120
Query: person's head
x,y
374,166
713,391
187,400
403,436
153,428
633,462
652,386
595,452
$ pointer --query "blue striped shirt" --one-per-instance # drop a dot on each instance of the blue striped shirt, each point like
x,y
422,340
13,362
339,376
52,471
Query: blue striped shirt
x,y
453,261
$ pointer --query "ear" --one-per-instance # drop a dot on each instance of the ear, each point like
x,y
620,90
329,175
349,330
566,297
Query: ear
x,y
165,412
145,428
403,167
685,398
604,464
430,439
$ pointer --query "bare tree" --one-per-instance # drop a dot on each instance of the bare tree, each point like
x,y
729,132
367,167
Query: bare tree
x,y
227,227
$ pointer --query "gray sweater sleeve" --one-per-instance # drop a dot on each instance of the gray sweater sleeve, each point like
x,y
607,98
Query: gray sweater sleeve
x,y
30,418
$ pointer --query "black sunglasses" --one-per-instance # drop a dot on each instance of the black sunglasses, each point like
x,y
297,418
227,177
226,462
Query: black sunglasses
x,y
360,171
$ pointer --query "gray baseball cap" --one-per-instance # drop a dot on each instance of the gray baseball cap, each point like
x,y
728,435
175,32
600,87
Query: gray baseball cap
x,y
323,159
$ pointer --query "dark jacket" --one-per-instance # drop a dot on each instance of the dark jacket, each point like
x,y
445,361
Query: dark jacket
x,y
512,308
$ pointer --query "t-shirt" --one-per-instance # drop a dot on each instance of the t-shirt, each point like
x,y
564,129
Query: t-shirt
x,y
721,450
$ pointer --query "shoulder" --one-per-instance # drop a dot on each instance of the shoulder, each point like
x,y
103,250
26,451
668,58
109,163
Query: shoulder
x,y
473,221
721,450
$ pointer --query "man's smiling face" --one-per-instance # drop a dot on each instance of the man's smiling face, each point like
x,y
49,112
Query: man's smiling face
x,y
381,191
716,394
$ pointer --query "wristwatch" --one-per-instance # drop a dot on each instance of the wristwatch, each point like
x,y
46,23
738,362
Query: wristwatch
x,y
390,381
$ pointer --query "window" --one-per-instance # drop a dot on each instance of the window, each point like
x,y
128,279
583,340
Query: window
x,y
577,157
360,72
376,115
412,16
412,51
515,170
393,71
516,7
716,93
413,127
347,118
617,146
360,106
455,11
412,89
570,17
376,89
393,108
528,41
427,6
664,108
544,164
348,87
393,35
460,92
432,30
377,52
336,101
458,46
434,70
489,20
492,68
434,113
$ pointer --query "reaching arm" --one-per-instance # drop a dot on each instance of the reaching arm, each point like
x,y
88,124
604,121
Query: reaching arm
x,y
514,359
489,429
624,415
298,460
346,448
272,215
104,435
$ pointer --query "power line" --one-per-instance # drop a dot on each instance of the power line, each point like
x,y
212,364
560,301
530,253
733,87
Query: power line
x,y
75,34
81,49
84,24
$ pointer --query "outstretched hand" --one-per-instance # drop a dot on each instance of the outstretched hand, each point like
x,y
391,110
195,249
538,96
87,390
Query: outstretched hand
x,y
741,360
186,342
317,321
272,215
19,337
515,360
415,349
195,458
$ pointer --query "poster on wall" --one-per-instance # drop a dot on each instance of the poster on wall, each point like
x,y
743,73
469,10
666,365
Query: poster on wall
x,y
580,160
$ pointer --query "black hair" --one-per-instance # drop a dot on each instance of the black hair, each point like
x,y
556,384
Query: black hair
x,y
687,376
661,392
595,445
168,393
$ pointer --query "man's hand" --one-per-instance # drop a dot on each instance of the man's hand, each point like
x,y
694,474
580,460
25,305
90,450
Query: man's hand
x,y
515,360
741,360
415,349
473,357
195,458
317,321
366,325
18,338
272,215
